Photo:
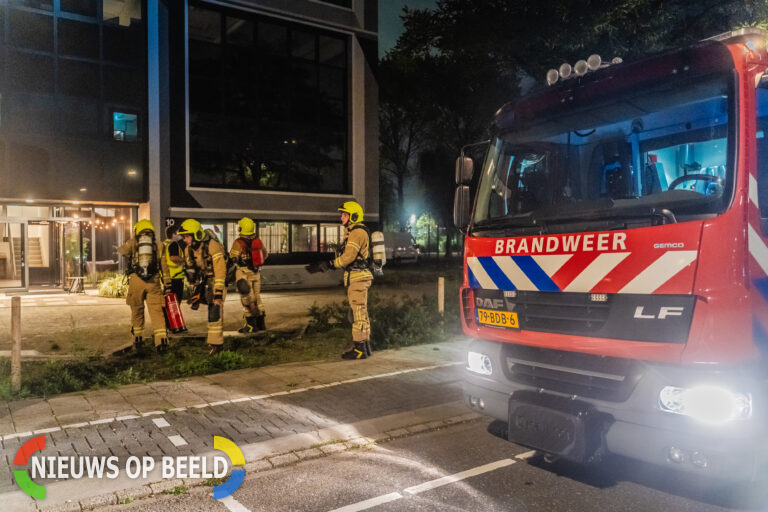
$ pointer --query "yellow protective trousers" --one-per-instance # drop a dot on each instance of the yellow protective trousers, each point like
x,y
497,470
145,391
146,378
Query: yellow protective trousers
x,y
151,292
252,304
215,328
357,294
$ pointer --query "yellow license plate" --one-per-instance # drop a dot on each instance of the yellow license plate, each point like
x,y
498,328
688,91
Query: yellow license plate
x,y
497,318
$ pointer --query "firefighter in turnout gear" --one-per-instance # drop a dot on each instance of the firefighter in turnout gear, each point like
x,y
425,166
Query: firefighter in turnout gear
x,y
356,260
249,254
205,255
144,253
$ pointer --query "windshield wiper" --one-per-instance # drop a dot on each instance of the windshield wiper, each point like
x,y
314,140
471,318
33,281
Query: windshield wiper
x,y
615,213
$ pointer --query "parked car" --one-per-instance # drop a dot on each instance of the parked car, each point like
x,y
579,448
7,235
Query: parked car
x,y
400,247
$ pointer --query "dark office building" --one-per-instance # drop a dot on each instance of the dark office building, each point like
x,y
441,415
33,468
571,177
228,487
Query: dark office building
x,y
114,110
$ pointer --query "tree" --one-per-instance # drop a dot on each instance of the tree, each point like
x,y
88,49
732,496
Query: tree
x,y
403,123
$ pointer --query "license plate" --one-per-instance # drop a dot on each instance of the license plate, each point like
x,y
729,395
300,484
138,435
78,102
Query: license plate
x,y
498,318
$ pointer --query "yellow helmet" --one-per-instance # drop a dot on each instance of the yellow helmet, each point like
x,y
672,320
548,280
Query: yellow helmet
x,y
246,226
193,228
354,210
143,225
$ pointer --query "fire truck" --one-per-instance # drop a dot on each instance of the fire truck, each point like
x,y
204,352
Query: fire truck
x,y
615,263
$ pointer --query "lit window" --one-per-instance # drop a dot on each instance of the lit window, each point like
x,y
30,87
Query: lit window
x,y
125,127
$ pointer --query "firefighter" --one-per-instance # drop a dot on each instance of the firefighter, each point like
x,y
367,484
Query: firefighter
x,y
248,254
206,257
144,253
173,252
356,260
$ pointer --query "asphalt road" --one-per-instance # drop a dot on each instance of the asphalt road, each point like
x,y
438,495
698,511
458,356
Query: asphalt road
x,y
460,468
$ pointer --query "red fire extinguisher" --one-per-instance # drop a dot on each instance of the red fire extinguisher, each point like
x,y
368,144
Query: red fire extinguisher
x,y
173,314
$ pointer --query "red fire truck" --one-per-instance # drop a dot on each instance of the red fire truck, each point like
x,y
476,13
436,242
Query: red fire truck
x,y
616,258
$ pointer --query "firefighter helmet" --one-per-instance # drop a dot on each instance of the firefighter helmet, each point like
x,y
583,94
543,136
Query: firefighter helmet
x,y
354,210
143,225
193,228
246,226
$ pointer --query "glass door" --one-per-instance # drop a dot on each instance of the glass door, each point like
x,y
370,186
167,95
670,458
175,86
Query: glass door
x,y
74,248
12,255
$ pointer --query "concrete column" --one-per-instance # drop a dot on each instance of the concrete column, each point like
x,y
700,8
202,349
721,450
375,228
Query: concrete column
x,y
158,143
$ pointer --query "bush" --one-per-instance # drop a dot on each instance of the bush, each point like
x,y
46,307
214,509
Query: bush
x,y
115,287
394,323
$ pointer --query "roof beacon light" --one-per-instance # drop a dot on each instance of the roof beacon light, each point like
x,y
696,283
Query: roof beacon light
x,y
552,76
565,70
580,68
593,62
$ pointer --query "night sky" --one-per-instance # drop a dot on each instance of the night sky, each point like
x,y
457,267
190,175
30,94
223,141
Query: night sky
x,y
390,25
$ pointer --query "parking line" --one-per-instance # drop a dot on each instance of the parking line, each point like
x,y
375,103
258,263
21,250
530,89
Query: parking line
x,y
525,455
233,505
426,486
432,484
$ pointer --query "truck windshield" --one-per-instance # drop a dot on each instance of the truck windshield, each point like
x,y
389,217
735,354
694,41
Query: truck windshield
x,y
661,150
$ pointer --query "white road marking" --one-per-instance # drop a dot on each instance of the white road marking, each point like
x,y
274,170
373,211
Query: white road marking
x,y
233,505
525,455
177,440
426,486
432,484
161,423
244,399
373,502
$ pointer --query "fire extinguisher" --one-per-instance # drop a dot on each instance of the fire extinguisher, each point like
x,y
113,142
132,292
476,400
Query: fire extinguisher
x,y
173,314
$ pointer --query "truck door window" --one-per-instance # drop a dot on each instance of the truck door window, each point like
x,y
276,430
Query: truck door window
x,y
762,148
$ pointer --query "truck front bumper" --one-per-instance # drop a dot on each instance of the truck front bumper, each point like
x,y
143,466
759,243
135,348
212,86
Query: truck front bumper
x,y
637,428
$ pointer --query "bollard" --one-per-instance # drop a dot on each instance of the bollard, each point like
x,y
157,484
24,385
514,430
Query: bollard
x,y
15,343
441,295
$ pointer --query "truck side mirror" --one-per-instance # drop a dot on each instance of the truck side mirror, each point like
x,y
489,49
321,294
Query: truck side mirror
x,y
462,207
465,168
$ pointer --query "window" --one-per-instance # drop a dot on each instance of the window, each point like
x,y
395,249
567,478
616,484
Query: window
x,y
125,127
31,31
762,150
121,12
274,236
82,7
32,73
277,95
304,237
340,3
77,78
331,237
78,39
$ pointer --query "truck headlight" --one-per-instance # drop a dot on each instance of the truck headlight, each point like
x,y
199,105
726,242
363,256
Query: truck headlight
x,y
708,404
479,363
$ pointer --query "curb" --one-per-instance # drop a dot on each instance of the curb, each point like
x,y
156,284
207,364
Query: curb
x,y
274,461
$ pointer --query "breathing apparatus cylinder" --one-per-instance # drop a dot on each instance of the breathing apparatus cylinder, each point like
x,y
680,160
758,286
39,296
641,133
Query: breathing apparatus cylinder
x,y
378,251
146,256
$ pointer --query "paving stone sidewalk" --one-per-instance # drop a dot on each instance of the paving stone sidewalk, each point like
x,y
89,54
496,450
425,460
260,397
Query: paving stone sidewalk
x,y
247,406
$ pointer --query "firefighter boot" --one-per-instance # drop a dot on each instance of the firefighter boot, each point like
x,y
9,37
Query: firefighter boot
x,y
251,325
214,349
162,348
260,324
138,341
368,349
357,351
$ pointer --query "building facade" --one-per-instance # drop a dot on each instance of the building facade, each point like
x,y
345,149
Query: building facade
x,y
114,110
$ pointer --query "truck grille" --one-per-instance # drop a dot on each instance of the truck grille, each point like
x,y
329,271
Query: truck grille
x,y
563,313
600,377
